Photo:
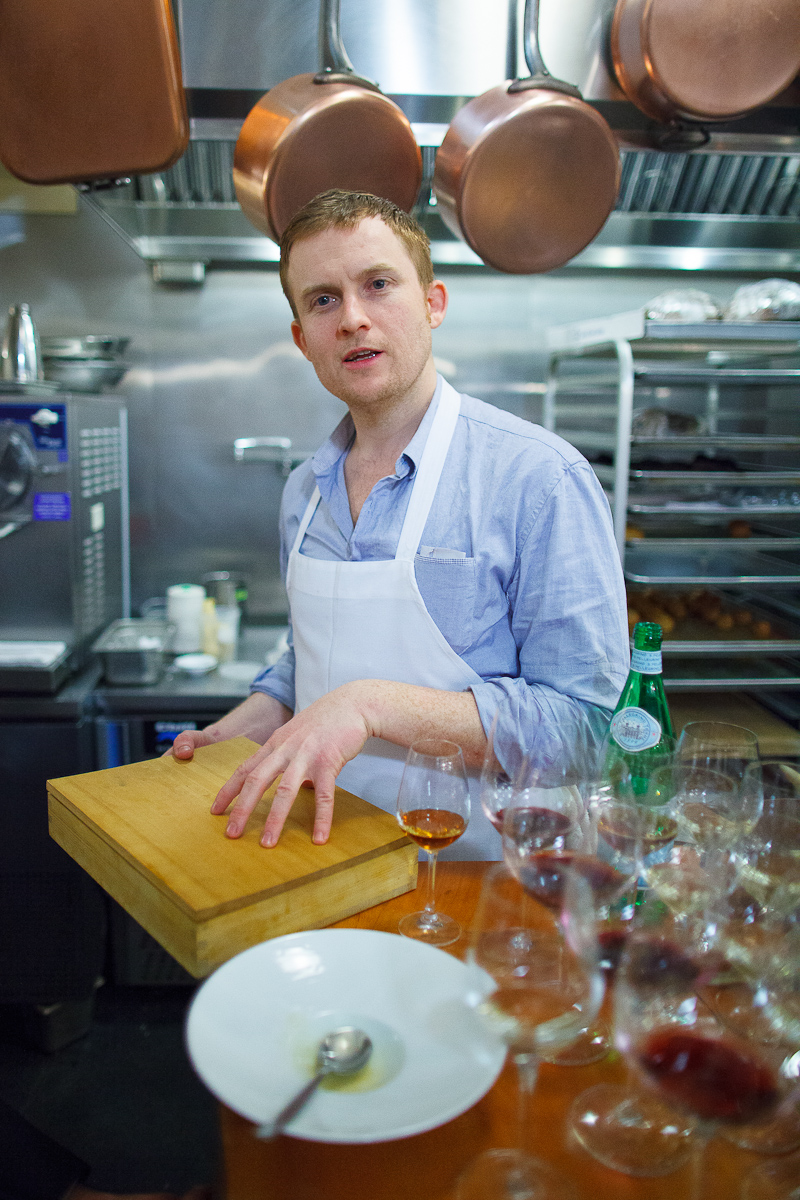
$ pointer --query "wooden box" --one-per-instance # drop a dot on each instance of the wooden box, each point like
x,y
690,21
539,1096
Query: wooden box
x,y
144,832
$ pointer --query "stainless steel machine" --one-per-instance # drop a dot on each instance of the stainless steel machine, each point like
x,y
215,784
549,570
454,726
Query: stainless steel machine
x,y
64,551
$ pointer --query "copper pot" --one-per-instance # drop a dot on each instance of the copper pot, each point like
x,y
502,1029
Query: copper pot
x,y
90,89
329,130
528,172
707,60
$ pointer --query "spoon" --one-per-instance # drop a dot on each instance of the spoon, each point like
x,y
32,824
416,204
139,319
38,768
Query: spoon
x,y
342,1052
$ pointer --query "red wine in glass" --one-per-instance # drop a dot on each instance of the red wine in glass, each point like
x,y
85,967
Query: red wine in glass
x,y
716,1079
544,875
537,827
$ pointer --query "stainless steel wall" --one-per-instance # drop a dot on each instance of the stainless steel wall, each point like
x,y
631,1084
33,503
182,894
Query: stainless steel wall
x,y
216,363
410,47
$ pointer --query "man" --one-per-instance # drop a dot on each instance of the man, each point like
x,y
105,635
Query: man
x,y
441,556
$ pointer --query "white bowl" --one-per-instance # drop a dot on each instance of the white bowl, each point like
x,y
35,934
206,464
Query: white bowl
x,y
254,1026
195,664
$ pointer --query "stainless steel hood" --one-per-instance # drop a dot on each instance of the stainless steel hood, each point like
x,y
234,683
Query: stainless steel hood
x,y
722,198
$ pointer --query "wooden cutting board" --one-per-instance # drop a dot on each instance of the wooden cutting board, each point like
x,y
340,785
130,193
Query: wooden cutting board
x,y
144,832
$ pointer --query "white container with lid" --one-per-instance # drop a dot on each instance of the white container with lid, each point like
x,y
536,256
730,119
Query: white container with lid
x,y
185,611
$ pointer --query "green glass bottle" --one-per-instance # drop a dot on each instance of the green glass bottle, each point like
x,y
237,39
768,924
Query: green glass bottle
x,y
641,734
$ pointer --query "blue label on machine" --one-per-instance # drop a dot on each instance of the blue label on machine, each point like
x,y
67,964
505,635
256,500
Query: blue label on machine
x,y
51,506
47,423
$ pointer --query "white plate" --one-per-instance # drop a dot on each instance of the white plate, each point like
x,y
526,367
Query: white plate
x,y
195,664
254,1025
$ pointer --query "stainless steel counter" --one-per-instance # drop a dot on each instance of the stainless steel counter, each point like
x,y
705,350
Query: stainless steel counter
x,y
179,693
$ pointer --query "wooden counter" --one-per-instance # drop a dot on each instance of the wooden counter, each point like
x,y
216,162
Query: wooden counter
x,y
426,1167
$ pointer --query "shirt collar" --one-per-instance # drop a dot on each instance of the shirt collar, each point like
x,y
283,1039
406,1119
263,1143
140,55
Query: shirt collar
x,y
330,453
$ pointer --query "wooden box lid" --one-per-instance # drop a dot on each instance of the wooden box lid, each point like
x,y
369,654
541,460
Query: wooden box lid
x,y
145,833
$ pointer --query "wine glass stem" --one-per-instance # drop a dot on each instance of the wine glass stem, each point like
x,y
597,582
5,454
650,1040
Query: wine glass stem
x,y
698,1162
527,1065
431,884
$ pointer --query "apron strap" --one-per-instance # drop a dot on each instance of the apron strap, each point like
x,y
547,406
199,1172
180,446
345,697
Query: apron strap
x,y
429,472
305,521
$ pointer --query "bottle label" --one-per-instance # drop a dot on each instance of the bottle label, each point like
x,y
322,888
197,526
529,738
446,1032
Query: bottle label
x,y
646,662
634,729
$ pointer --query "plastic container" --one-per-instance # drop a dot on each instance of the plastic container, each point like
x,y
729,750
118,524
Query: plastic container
x,y
133,650
185,610
228,616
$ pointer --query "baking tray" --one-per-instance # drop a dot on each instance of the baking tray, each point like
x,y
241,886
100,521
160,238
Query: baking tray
x,y
693,636
721,441
646,564
685,674
682,476
654,505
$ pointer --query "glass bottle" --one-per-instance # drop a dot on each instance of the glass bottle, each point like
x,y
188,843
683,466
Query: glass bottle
x,y
641,735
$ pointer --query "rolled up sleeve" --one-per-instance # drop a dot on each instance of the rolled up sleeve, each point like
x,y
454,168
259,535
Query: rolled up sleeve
x,y
568,616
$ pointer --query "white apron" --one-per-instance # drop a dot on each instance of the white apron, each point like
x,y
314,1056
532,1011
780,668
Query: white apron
x,y
367,620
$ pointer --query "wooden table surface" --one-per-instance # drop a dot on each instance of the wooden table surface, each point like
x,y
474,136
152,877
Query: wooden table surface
x,y
427,1166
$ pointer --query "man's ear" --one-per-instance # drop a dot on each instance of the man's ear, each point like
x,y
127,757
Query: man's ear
x,y
437,303
299,339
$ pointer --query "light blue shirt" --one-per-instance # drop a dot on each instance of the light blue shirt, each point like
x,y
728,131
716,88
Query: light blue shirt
x,y
517,566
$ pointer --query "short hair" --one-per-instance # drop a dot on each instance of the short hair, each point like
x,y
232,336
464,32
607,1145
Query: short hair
x,y
339,209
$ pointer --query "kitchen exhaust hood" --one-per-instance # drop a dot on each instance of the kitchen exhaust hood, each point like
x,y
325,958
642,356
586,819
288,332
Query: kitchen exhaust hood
x,y
721,197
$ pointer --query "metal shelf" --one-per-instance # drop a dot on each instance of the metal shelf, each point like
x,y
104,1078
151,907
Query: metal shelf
x,y
744,478
701,508
768,672
676,337
700,543
626,352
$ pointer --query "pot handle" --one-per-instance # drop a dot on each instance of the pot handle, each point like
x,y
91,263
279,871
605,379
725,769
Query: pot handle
x,y
539,76
335,64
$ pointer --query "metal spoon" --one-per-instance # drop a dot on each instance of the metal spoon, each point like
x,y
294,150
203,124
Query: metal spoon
x,y
342,1052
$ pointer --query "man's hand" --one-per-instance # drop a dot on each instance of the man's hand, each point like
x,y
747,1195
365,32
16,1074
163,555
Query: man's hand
x,y
257,717
310,748
190,740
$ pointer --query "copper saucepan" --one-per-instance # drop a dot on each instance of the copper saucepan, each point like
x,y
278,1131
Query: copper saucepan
x,y
707,60
528,172
329,130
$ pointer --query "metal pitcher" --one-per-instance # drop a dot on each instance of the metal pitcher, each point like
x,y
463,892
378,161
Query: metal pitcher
x,y
20,359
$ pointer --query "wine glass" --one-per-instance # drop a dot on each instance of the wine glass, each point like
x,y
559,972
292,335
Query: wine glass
x,y
764,937
715,796
501,762
623,1125
715,1039
769,855
717,788
433,809
543,962
604,850
514,762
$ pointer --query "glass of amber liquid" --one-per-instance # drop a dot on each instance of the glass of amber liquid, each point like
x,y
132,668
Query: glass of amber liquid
x,y
433,809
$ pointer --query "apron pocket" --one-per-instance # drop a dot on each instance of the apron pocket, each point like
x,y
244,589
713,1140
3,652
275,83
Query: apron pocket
x,y
447,586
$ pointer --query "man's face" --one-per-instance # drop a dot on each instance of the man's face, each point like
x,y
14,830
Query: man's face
x,y
364,319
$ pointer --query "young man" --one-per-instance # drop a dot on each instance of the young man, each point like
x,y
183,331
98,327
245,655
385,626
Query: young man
x,y
441,556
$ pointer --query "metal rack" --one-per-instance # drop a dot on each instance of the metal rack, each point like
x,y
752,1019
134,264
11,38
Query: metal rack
x,y
735,389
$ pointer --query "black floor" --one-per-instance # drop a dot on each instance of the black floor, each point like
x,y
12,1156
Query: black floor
x,y
123,1097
